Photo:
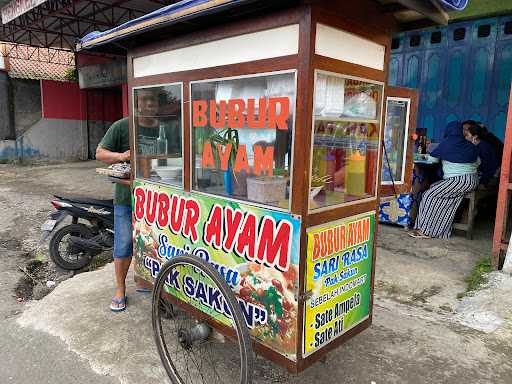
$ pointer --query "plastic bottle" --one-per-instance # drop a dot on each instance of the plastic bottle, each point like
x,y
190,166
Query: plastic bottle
x,y
355,178
161,141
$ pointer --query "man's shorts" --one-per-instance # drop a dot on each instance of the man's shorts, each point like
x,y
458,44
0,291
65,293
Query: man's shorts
x,y
123,235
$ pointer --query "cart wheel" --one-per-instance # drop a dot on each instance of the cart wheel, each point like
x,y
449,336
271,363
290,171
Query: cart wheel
x,y
166,309
187,344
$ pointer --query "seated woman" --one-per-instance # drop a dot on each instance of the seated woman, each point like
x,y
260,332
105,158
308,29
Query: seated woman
x,y
490,163
440,202
494,141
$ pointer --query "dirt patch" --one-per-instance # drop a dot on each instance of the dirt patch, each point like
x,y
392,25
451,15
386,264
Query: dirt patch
x,y
39,278
9,243
24,289
426,293
34,272
98,261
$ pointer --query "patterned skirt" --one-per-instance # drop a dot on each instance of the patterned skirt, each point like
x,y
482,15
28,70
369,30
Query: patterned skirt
x,y
440,202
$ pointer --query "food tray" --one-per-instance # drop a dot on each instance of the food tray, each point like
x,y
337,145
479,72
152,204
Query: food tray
x,y
121,170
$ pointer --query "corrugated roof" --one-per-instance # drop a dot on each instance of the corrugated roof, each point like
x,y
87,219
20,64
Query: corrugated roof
x,y
59,23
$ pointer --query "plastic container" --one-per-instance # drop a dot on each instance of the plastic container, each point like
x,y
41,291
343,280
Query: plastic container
x,y
355,177
168,172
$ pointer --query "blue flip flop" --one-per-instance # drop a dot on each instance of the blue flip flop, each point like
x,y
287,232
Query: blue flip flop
x,y
143,290
122,302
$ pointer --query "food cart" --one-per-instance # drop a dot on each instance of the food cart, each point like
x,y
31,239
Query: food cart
x,y
255,143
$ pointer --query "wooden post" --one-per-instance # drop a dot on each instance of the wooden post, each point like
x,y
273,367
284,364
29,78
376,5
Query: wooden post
x,y
500,244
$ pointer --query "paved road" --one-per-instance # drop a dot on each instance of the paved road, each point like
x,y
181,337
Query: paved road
x,y
28,356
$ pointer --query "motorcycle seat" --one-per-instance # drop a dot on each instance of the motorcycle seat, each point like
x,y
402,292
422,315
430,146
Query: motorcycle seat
x,y
86,200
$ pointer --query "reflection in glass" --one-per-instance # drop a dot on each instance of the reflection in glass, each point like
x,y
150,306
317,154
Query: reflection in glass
x,y
158,133
242,137
345,140
395,134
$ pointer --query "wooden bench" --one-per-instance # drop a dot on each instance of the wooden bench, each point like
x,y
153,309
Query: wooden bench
x,y
470,210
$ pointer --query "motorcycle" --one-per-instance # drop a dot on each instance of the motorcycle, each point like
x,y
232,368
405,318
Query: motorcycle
x,y
73,246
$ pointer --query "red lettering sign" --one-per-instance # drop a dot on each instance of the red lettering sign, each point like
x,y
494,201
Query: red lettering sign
x,y
273,112
179,214
274,243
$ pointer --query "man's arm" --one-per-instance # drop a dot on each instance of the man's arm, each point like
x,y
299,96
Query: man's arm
x,y
109,157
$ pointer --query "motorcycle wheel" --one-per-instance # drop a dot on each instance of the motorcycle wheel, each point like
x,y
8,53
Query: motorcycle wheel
x,y
63,253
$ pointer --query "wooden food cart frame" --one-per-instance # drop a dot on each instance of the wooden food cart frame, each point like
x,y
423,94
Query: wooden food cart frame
x,y
305,63
411,96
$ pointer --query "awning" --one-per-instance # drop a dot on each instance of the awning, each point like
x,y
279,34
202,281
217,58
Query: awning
x,y
187,10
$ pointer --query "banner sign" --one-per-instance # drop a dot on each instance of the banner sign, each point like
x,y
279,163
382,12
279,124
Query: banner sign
x,y
102,75
255,249
338,279
236,114
16,8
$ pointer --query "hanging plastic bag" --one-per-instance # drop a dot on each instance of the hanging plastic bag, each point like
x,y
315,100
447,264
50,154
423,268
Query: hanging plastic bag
x,y
360,105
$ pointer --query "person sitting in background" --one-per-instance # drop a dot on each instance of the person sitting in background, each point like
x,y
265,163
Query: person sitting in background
x,y
490,163
488,136
440,202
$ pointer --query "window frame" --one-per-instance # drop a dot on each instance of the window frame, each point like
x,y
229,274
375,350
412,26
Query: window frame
x,y
378,120
406,138
293,71
135,142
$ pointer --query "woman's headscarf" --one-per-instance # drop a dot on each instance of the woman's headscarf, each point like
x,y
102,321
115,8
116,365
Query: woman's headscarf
x,y
454,147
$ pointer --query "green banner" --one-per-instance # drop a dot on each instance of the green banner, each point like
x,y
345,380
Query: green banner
x,y
255,250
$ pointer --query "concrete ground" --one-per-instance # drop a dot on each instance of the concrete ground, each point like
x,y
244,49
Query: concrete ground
x,y
421,332
29,356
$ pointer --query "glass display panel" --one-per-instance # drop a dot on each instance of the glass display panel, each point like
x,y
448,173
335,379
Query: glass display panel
x,y
395,140
158,133
345,140
242,137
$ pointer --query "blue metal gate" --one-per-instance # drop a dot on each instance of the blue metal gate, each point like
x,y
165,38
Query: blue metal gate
x,y
462,71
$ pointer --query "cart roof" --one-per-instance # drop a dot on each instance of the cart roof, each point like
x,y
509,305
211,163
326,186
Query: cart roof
x,y
172,17
181,12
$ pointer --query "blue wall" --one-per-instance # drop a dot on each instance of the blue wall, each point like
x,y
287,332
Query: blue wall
x,y
462,71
